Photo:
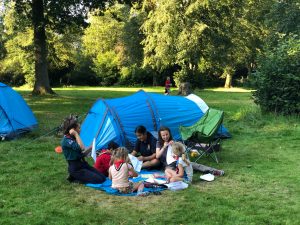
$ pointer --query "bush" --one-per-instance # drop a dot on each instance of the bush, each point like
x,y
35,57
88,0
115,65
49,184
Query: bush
x,y
79,74
134,75
277,79
12,79
106,66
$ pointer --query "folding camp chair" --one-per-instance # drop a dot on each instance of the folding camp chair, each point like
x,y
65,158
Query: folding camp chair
x,y
203,134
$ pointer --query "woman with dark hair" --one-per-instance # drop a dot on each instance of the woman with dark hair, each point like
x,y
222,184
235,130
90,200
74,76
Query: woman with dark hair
x,y
74,151
145,148
164,148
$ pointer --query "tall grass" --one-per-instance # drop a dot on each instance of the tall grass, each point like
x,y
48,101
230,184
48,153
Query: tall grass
x,y
261,162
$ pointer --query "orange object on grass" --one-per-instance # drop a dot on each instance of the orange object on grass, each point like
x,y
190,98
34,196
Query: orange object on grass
x,y
58,149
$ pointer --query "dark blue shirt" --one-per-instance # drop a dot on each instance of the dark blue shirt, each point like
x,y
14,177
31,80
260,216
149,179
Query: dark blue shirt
x,y
148,147
71,148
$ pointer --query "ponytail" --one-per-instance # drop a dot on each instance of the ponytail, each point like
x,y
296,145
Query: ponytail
x,y
185,159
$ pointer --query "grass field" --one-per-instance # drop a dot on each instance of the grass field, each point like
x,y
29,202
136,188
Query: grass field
x,y
261,162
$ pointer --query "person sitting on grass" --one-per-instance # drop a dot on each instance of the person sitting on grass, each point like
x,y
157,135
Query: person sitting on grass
x,y
183,170
102,163
121,170
145,146
74,151
164,148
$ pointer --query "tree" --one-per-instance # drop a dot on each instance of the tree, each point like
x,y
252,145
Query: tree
x,y
112,41
171,36
19,57
2,49
199,36
57,15
18,47
277,78
230,39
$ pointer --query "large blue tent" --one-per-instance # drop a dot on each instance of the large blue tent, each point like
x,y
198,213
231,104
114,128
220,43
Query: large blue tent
x,y
15,115
116,119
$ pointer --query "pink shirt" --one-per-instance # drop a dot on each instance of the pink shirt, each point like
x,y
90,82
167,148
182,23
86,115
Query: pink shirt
x,y
120,175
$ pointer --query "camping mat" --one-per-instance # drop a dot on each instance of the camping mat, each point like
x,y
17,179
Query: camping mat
x,y
143,175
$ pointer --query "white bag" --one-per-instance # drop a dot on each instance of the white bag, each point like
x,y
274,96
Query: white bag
x,y
176,186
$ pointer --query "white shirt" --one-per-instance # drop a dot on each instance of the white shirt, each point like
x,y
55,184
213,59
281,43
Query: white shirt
x,y
169,157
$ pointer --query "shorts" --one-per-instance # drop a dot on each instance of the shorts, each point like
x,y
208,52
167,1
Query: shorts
x,y
126,190
172,165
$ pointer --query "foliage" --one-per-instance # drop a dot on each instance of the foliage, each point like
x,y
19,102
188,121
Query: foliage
x,y
283,17
81,73
161,30
135,75
19,58
2,49
142,42
106,67
278,77
54,14
199,36
112,42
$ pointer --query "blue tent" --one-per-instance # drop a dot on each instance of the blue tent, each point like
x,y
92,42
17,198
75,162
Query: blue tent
x,y
15,115
116,119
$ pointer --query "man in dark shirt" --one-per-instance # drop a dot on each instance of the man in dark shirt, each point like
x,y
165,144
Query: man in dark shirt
x,y
146,146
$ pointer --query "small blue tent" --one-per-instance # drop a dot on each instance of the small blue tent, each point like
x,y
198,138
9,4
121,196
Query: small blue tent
x,y
116,119
15,115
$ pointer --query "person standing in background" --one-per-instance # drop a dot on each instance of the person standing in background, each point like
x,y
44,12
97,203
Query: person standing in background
x,y
168,86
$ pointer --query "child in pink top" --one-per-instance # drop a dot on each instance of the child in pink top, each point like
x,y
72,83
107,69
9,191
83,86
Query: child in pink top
x,y
120,171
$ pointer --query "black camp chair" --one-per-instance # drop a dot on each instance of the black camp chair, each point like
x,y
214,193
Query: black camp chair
x,y
203,135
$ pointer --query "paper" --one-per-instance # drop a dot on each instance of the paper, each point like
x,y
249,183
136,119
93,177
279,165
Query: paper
x,y
146,175
137,164
94,155
207,177
155,181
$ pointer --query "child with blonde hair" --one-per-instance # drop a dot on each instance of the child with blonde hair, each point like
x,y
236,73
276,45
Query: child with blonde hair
x,y
119,172
184,169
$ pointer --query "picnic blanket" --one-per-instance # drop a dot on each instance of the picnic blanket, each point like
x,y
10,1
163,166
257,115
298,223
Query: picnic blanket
x,y
143,176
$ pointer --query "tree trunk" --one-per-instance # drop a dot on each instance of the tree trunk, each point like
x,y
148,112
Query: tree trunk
x,y
228,81
154,79
228,73
42,84
185,89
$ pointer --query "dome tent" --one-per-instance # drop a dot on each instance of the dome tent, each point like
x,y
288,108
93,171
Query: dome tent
x,y
116,119
15,115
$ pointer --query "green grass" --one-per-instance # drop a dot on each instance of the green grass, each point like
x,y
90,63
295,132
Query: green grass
x,y
261,161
